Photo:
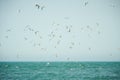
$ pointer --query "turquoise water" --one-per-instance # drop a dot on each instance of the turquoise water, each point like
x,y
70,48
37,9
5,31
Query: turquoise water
x,y
59,70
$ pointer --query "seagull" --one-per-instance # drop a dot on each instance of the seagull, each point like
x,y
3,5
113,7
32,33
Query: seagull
x,y
97,24
66,27
36,32
25,38
68,58
42,7
37,5
58,42
86,3
119,49
69,30
39,44
66,17
8,30
72,43
17,56
30,29
98,32
19,11
55,47
70,47
88,26
60,36
40,37
6,36
56,55
89,49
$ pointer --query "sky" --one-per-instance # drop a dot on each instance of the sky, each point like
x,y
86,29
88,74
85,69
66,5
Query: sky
x,y
59,30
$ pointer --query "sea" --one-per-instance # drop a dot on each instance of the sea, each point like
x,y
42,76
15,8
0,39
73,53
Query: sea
x,y
59,70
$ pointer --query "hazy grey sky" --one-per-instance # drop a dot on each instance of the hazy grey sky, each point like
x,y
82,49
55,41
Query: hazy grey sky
x,y
59,30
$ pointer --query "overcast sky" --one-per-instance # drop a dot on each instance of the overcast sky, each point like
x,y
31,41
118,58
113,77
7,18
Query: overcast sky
x,y
59,30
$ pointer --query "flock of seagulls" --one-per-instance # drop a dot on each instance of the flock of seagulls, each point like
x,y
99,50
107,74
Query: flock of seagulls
x,y
52,34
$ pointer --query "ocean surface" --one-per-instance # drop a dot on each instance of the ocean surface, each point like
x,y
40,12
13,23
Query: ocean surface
x,y
59,70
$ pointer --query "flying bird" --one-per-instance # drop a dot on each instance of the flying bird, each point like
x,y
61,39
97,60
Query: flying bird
x,y
37,5
56,55
8,30
25,38
6,36
98,32
36,32
72,43
69,30
89,49
68,58
70,47
42,7
60,36
19,11
66,17
86,3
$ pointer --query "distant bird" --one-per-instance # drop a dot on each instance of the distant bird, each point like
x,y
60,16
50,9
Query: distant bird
x,y
70,47
56,55
42,7
40,37
55,47
89,49
119,49
8,30
37,5
58,24
30,29
58,42
69,30
39,44
88,26
25,38
112,5
6,36
72,43
86,3
36,32
34,45
97,24
98,32
66,17
53,35
60,36
68,59
19,11
66,27
71,26
17,56
82,28
110,54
